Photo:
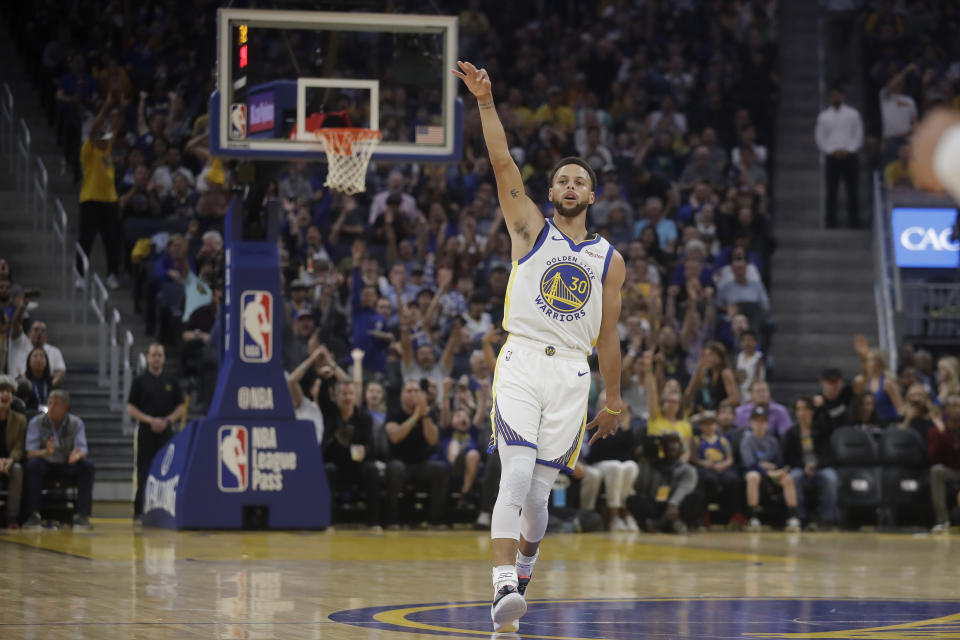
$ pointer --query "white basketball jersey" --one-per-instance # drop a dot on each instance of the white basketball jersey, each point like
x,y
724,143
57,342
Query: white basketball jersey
x,y
555,294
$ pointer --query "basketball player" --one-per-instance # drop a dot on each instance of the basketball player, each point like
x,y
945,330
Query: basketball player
x,y
562,299
935,149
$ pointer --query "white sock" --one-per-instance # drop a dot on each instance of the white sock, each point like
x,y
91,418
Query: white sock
x,y
503,576
525,563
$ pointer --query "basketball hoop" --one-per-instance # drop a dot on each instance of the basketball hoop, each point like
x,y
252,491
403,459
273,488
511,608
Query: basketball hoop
x,y
348,153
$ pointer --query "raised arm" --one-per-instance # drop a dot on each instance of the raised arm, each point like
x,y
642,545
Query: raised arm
x,y
650,381
608,350
524,220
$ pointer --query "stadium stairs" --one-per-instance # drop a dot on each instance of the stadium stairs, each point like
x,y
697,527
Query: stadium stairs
x,y
34,263
823,278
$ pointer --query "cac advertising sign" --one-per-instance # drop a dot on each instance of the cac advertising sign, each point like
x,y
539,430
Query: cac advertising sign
x,y
921,238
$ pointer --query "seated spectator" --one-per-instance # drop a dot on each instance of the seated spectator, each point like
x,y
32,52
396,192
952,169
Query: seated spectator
x,y
166,289
458,444
897,173
919,412
749,172
420,361
943,452
13,432
725,273
156,402
38,338
395,187
654,216
712,456
180,202
762,461
741,292
57,448
413,434
776,414
713,380
610,462
876,378
808,454
948,376
750,363
700,171
610,195
477,320
863,414
39,377
725,418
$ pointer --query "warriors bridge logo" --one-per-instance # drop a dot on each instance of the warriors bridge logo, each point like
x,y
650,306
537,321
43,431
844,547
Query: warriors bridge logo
x,y
564,288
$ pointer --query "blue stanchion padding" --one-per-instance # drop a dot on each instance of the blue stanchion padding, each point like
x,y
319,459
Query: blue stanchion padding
x,y
250,452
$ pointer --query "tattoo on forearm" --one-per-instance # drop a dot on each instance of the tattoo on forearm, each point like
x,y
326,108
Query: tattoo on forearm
x,y
488,105
514,193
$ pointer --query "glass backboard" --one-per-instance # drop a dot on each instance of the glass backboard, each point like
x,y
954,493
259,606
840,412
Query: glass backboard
x,y
283,74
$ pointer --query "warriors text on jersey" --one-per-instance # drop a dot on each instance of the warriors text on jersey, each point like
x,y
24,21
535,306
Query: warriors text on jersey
x,y
555,294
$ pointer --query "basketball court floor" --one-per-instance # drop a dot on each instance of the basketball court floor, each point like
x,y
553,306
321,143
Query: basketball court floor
x,y
119,582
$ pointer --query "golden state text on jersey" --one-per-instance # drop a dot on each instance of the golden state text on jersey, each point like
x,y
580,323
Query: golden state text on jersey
x,y
555,294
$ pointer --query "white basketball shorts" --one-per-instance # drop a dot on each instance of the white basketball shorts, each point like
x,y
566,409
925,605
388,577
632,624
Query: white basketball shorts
x,y
540,396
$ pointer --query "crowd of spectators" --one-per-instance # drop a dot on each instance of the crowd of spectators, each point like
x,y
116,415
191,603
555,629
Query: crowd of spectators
x,y
394,296
910,63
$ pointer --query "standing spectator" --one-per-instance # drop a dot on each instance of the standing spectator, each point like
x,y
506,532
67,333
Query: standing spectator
x,y
98,193
833,402
156,402
943,452
676,436
348,449
776,415
808,454
876,378
413,434
750,362
57,447
839,136
13,432
762,461
898,113
16,344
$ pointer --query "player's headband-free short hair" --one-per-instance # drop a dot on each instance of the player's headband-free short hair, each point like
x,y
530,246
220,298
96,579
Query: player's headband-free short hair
x,y
579,162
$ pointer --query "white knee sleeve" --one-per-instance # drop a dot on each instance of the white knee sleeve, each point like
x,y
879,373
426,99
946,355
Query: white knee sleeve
x,y
534,516
517,467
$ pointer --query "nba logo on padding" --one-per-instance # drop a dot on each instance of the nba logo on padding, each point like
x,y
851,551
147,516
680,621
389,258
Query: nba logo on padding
x,y
238,121
234,461
256,320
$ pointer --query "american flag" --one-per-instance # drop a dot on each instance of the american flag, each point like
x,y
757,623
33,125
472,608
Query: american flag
x,y
428,134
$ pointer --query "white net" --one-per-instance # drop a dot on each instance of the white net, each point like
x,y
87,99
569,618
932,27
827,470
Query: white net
x,y
348,153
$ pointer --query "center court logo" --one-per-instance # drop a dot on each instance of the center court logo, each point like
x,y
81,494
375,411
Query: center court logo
x,y
234,461
565,287
256,320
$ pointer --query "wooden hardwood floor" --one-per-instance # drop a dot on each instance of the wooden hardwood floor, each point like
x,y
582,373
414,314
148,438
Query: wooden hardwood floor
x,y
119,582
